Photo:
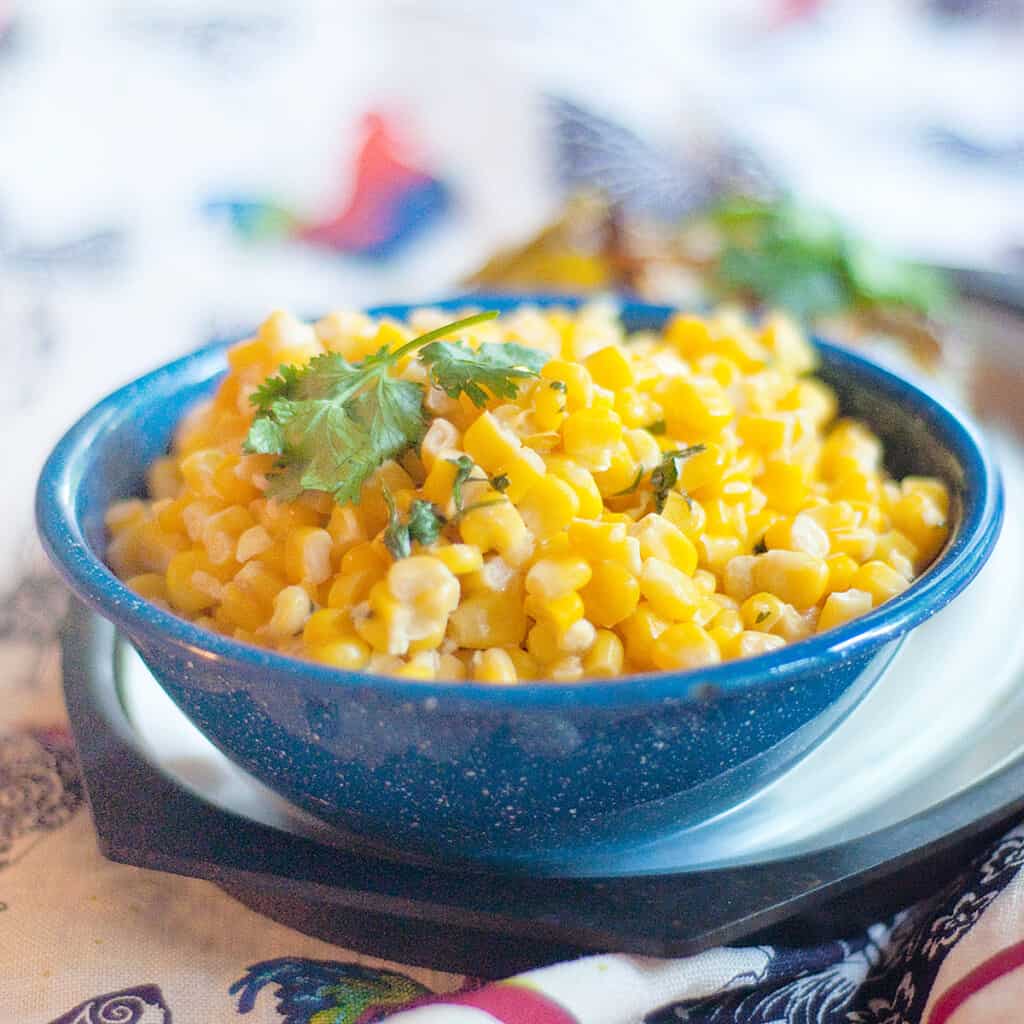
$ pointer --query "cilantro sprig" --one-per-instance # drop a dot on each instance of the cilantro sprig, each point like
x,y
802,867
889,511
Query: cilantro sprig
x,y
331,423
665,475
423,523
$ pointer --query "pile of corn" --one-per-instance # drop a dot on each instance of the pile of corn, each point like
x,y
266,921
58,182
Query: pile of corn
x,y
784,525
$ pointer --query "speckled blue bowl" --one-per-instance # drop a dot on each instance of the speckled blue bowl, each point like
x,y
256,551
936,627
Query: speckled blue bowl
x,y
539,775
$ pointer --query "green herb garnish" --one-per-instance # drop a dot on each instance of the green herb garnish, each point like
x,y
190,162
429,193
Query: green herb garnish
x,y
463,475
760,547
666,474
802,260
761,616
558,385
457,369
424,524
657,428
332,423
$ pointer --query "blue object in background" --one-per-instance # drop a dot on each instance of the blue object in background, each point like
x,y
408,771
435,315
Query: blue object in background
x,y
537,775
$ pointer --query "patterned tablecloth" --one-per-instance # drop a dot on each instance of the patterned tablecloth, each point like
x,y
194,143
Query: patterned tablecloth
x,y
167,169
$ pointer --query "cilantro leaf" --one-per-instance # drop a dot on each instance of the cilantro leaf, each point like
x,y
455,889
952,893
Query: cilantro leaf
x,y
457,369
463,468
423,525
666,474
332,423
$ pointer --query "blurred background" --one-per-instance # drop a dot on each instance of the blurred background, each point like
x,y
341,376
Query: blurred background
x,y
172,171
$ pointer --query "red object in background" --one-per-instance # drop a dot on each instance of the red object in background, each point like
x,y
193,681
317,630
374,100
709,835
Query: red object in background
x,y
387,190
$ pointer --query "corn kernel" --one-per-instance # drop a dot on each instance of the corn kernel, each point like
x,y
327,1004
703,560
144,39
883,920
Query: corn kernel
x,y
501,527
550,578
752,642
606,655
761,612
292,609
842,606
549,507
797,578
841,570
799,533
639,632
671,593
611,595
881,581
493,665
684,646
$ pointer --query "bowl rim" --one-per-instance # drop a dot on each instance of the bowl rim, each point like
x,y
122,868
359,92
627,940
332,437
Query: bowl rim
x,y
89,577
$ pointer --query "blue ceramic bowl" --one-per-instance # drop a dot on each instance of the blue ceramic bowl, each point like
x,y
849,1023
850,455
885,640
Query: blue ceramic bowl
x,y
537,775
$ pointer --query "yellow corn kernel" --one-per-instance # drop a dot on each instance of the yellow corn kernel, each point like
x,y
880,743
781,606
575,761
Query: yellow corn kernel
x,y
610,367
660,539
670,591
150,585
697,406
922,520
762,612
849,447
345,651
425,583
308,554
932,487
190,582
292,608
738,577
841,570
611,595
361,567
591,436
489,619
542,643
221,531
689,334
325,626
752,642
606,655
346,529
639,632
620,474
856,541
579,385
684,646
453,669
768,432
459,559
143,546
561,611
781,336
728,621
842,606
279,518
549,404
490,443
686,515
797,578
500,527
550,578
881,581
442,440
549,506
566,670
521,472
714,552
163,478
703,470
785,485
799,533
493,665
252,543
247,600
581,481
